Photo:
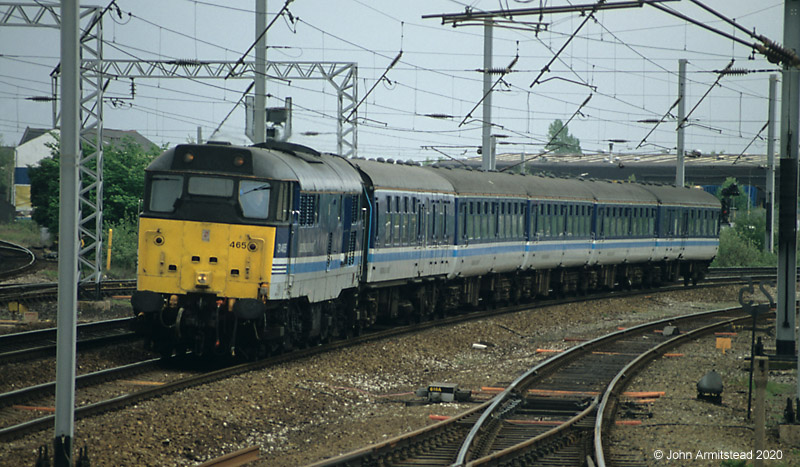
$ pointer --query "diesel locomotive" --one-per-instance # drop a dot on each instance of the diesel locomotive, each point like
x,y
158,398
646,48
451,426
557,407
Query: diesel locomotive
x,y
260,249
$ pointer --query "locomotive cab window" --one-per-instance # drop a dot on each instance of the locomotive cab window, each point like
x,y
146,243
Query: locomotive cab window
x,y
164,191
254,198
211,186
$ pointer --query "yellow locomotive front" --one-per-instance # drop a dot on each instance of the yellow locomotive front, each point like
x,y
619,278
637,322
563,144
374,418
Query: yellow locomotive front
x,y
184,257
206,244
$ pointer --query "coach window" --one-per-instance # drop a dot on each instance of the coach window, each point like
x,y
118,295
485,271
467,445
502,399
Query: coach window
x,y
652,222
626,221
703,222
412,216
493,220
471,221
463,209
548,226
397,222
643,221
640,222
615,224
587,220
476,219
587,226
569,229
387,224
474,211
612,226
512,221
164,191
554,221
612,222
601,222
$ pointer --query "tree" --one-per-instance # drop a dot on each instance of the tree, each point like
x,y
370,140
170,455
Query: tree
x,y
123,183
44,191
560,141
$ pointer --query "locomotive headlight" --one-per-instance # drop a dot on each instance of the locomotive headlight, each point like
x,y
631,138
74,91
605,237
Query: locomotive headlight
x,y
203,279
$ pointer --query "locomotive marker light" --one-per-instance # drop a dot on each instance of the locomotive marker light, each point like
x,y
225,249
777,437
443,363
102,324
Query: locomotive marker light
x,y
203,280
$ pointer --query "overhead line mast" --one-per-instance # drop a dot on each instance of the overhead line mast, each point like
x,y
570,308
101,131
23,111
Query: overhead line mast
x,y
487,19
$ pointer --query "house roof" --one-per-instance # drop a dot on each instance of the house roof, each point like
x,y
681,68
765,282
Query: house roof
x,y
31,134
110,136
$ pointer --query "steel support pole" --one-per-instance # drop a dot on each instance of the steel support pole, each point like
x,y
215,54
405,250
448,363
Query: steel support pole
x,y
769,242
260,74
679,166
787,208
67,233
486,144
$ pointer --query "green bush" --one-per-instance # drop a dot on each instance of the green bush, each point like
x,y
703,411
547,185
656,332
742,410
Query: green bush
x,y
124,243
737,250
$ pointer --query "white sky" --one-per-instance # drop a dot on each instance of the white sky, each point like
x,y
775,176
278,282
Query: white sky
x,y
631,56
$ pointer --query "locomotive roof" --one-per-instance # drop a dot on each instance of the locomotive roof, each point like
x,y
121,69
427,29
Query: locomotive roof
x,y
390,176
287,162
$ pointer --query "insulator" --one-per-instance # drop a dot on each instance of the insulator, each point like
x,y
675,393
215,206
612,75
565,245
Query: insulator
x,y
733,71
186,62
777,54
40,98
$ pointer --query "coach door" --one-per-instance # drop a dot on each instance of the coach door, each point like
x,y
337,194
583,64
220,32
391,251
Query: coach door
x,y
420,241
684,231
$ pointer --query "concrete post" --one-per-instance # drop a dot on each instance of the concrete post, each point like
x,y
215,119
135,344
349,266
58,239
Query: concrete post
x,y
760,376
486,144
679,166
68,233
260,75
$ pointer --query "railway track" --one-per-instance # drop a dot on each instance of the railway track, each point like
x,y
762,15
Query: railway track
x,y
14,259
47,292
554,414
136,393
42,343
